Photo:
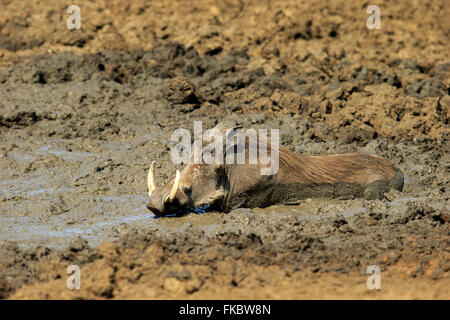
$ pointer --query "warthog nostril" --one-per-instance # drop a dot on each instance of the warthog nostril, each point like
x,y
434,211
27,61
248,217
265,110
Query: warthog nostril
x,y
153,209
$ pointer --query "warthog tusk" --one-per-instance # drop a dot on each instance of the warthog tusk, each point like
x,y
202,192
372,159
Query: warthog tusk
x,y
151,179
176,183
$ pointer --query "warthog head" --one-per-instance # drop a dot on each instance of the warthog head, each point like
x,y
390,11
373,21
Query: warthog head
x,y
196,186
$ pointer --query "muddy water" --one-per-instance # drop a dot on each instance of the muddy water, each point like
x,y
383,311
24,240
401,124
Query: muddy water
x,y
56,223
33,211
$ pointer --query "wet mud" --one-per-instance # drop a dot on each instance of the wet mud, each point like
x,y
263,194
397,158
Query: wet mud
x,y
83,114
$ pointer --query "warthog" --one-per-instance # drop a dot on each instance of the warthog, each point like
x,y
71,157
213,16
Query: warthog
x,y
225,187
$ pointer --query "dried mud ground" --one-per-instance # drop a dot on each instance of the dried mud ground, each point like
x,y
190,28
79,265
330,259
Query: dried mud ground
x,y
83,113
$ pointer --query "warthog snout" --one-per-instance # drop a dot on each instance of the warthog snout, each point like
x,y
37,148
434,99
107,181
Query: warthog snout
x,y
162,201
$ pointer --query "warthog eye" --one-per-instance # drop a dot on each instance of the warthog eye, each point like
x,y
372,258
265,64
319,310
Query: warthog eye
x,y
187,190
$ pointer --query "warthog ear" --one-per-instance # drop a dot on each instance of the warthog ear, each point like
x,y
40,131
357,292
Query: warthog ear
x,y
222,128
216,137
227,125
233,131
230,133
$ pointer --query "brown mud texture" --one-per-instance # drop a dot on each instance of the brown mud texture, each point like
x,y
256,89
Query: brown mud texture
x,y
84,112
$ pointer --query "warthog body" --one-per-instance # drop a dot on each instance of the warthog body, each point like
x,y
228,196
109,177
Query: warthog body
x,y
227,186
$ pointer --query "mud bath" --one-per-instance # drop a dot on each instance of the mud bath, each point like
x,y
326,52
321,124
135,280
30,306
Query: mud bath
x,y
83,114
